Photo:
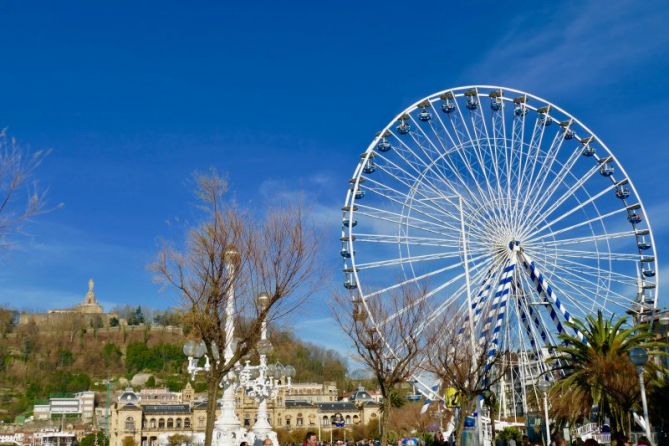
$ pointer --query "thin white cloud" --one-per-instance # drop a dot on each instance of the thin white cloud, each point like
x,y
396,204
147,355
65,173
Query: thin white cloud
x,y
585,44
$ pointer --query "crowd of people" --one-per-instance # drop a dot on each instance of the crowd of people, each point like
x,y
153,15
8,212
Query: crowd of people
x,y
311,439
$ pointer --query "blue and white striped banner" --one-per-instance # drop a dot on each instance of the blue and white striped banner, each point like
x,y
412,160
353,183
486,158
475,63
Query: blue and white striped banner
x,y
429,398
549,295
497,310
478,303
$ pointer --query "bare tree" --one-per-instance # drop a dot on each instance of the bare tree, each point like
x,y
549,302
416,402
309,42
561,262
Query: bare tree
x,y
394,321
231,257
19,198
473,370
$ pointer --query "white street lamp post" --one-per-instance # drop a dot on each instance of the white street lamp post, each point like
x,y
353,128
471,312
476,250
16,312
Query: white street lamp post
x,y
266,384
544,386
639,357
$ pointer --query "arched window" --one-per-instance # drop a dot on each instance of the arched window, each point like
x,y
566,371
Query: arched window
x,y
178,423
348,419
130,424
152,423
161,423
300,419
325,421
356,419
170,423
200,421
186,423
312,419
287,420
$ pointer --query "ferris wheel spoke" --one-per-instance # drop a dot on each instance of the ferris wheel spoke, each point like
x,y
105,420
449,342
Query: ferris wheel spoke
x,y
579,206
482,134
407,239
477,271
444,159
423,174
433,218
423,277
457,147
535,184
409,260
462,135
497,137
544,172
585,239
566,196
424,297
558,179
581,294
533,152
390,173
594,255
576,281
406,220
597,273
579,225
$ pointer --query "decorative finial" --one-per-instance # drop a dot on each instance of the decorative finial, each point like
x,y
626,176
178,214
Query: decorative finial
x,y
91,284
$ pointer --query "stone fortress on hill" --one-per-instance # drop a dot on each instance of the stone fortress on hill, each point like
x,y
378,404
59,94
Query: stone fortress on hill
x,y
89,311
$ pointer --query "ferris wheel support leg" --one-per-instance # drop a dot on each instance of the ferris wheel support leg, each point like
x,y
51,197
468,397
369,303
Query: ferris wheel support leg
x,y
481,297
549,295
497,311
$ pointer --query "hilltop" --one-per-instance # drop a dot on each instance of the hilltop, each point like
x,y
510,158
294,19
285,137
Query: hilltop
x,y
69,357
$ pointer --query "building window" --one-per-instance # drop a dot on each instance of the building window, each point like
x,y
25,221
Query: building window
x,y
200,421
152,423
129,424
247,419
186,423
348,419
178,423
356,419
312,420
326,421
288,420
170,423
161,423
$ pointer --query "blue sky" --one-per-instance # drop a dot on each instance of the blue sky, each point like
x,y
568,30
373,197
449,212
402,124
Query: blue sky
x,y
283,96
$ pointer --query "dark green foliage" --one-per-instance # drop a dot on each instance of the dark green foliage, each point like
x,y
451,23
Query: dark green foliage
x,y
65,357
66,382
509,433
89,440
313,363
175,383
137,317
166,318
113,322
111,354
159,358
151,382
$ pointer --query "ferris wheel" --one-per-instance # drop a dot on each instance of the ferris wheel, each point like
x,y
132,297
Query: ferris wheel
x,y
499,198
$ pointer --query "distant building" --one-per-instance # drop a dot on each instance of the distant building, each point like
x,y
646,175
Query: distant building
x,y
82,404
53,437
89,311
307,405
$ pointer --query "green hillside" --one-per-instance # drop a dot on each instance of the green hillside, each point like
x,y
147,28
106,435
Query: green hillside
x,y
36,362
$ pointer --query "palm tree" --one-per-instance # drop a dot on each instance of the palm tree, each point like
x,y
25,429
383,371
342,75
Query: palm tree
x,y
597,371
